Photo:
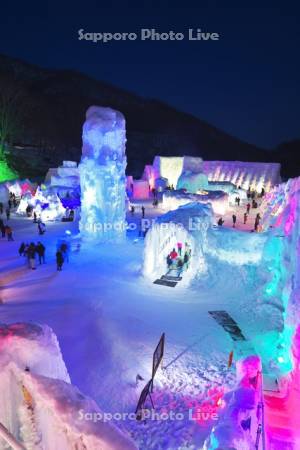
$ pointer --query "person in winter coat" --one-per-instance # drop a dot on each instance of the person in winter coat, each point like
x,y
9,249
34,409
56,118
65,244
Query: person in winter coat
x,y
59,260
65,251
173,254
179,247
186,259
41,228
143,212
233,220
245,218
179,264
31,252
248,208
40,248
3,230
9,234
220,222
169,261
22,249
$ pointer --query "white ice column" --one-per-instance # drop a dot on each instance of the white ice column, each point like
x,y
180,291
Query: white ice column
x,y
102,175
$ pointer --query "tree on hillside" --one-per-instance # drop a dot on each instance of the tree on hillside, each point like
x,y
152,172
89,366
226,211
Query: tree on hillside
x,y
10,109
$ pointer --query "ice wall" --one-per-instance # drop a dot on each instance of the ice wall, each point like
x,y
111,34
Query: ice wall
x,y
173,199
39,406
102,175
239,421
244,174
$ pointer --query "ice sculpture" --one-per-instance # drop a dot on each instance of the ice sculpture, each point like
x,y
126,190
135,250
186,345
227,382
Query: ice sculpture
x,y
102,175
189,225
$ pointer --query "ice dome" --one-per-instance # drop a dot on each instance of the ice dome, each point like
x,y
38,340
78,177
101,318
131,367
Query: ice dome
x,y
188,225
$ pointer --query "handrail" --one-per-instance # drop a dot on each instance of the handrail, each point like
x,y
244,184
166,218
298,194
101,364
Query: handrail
x,y
10,439
260,433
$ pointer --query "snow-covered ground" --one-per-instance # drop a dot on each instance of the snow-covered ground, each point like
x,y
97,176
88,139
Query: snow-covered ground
x,y
108,320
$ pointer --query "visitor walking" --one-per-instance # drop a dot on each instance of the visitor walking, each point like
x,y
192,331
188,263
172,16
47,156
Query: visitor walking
x,y
245,218
233,220
238,200
169,261
173,254
132,209
59,260
179,248
7,213
22,249
186,259
31,253
65,251
9,234
143,212
248,208
3,230
40,248
41,228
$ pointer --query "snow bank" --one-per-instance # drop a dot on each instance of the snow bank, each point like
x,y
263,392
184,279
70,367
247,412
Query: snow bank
x,y
234,246
102,175
32,346
187,225
39,406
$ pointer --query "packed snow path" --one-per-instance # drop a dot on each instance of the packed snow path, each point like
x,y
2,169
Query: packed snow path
x,y
108,319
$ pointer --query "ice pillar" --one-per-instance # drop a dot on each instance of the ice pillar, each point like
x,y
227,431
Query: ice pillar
x,y
102,175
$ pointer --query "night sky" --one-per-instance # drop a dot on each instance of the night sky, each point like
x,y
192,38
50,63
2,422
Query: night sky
x,y
247,83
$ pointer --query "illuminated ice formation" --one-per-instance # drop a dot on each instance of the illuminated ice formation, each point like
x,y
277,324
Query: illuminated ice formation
x,y
173,199
26,200
172,167
255,175
241,415
140,189
64,178
47,205
51,210
102,175
169,168
188,225
39,405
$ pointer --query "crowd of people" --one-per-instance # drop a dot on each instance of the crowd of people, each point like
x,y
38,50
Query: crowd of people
x,y
252,197
33,252
6,230
36,253
180,258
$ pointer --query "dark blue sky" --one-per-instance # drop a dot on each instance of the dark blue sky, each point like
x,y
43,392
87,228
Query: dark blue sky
x,y
247,83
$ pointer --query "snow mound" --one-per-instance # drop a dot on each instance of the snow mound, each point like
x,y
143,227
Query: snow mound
x,y
39,406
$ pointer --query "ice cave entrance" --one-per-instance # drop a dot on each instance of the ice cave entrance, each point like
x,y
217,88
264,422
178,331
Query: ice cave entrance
x,y
174,244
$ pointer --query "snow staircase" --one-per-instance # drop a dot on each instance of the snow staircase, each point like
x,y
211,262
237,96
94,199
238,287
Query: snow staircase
x,y
172,277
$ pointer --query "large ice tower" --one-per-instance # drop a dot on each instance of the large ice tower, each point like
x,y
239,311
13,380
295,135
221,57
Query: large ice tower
x,y
102,175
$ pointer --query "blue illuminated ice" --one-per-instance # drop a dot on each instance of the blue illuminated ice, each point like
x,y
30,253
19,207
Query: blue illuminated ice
x,y
102,175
